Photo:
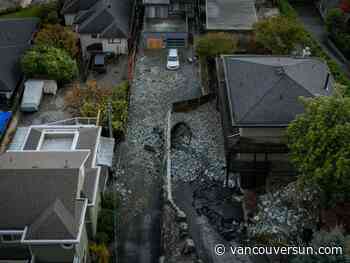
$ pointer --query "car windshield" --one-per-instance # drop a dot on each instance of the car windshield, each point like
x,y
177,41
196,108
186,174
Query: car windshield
x,y
172,59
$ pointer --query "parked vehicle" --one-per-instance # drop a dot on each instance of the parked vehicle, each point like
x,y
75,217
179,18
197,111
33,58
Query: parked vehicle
x,y
33,93
99,63
173,62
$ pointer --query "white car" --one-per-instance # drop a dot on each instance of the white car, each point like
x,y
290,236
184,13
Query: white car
x,y
173,62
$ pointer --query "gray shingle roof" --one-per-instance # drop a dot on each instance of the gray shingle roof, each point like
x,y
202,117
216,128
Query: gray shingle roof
x,y
264,90
26,193
230,14
15,37
110,19
56,222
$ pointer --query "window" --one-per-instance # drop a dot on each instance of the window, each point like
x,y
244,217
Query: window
x,y
114,41
94,35
10,238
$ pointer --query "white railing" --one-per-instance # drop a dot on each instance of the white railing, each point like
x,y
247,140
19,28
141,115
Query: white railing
x,y
75,121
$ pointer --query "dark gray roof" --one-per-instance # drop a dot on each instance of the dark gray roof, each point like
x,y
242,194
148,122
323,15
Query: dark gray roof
x,y
230,14
25,194
264,90
56,222
15,37
74,6
108,18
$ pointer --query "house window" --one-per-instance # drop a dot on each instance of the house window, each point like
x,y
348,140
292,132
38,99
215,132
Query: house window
x,y
10,238
94,36
114,41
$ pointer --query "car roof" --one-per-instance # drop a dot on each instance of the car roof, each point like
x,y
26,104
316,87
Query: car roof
x,y
173,52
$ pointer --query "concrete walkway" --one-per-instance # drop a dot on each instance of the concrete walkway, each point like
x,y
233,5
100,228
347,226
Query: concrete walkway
x,y
310,17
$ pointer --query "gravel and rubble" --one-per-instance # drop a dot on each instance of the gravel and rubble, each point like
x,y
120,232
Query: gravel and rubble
x,y
285,214
139,176
204,154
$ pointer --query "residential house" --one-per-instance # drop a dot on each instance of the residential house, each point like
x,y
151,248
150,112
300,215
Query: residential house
x,y
15,38
71,8
51,181
103,26
166,23
258,98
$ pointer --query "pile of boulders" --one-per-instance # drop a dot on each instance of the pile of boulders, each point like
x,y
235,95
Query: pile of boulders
x,y
285,214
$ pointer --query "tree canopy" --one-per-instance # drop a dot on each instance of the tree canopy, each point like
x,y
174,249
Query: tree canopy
x,y
320,146
213,44
58,36
280,35
49,62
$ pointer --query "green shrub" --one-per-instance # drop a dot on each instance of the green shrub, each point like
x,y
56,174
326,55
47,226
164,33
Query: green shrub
x,y
106,224
286,9
58,36
49,62
335,238
280,34
109,201
335,20
102,238
213,44
48,12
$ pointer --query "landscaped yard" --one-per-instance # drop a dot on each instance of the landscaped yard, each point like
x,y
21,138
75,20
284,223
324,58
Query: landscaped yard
x,y
33,11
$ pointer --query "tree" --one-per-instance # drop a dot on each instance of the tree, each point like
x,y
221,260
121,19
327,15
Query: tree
x,y
319,142
58,36
280,35
334,239
49,62
214,44
335,20
99,253
87,101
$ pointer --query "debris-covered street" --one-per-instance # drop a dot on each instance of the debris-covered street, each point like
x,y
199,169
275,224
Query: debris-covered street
x,y
139,175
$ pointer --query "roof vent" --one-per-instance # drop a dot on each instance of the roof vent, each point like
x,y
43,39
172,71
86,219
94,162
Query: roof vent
x,y
66,164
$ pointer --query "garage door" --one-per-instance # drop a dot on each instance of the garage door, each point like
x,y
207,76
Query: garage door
x,y
154,43
175,43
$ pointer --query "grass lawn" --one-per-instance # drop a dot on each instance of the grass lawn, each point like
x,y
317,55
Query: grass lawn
x,y
33,11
